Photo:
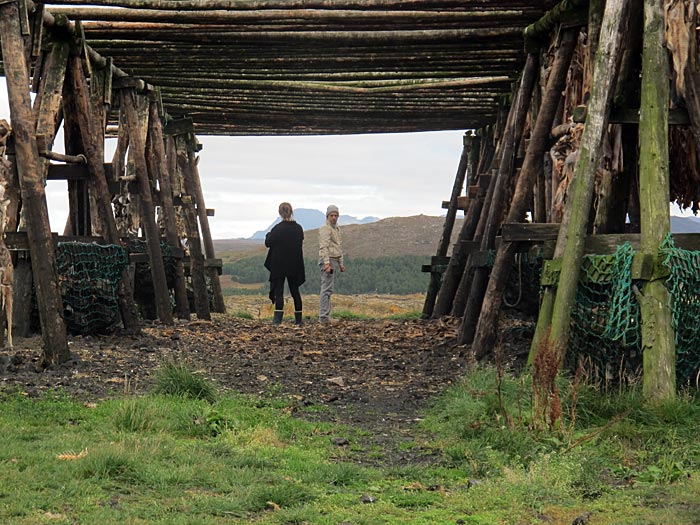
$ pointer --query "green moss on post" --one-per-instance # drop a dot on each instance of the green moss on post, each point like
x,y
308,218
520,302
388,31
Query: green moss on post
x,y
659,353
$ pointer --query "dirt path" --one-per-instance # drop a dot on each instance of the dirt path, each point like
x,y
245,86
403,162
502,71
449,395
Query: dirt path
x,y
377,375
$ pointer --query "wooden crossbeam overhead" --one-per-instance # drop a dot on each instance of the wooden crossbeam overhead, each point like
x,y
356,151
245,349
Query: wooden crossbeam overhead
x,y
281,67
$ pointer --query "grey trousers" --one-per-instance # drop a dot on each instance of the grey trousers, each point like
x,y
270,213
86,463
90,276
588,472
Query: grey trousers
x,y
327,282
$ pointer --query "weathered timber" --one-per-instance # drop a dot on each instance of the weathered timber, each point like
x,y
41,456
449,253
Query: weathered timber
x,y
184,166
607,60
93,147
155,255
275,15
212,271
32,189
658,338
484,336
158,164
594,244
462,203
504,180
444,243
455,265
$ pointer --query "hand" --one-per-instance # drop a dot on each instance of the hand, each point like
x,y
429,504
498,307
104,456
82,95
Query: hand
x,y
342,267
327,268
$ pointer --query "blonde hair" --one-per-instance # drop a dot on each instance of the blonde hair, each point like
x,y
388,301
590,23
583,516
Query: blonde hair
x,y
286,211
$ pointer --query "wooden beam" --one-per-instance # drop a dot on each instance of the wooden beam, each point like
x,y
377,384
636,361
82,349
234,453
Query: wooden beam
x,y
607,60
155,255
43,257
446,236
658,336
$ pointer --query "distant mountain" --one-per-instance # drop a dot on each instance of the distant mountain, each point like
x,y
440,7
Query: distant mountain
x,y
313,219
416,235
685,224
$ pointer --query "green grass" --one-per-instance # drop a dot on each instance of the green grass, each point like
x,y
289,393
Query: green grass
x,y
182,459
349,315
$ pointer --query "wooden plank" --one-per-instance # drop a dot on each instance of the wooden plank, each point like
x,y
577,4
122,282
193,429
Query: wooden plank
x,y
462,203
595,244
74,171
676,116
179,127
211,212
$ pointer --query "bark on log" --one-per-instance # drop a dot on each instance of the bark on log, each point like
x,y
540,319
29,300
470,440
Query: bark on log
x,y
455,267
155,255
607,61
486,328
93,147
199,286
50,305
157,163
210,253
504,179
444,243
658,338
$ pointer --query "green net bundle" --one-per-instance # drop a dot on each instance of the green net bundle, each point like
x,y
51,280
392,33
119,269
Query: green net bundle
x,y
605,321
88,276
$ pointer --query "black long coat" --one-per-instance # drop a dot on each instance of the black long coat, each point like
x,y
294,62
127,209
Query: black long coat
x,y
285,257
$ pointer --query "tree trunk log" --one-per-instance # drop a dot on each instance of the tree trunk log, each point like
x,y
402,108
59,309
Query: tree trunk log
x,y
93,147
488,320
504,179
155,255
607,61
658,346
158,164
444,243
41,247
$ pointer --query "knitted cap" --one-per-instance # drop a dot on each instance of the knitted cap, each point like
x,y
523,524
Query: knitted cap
x,y
332,208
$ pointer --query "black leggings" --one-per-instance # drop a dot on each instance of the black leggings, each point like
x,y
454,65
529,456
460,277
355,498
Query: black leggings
x,y
278,287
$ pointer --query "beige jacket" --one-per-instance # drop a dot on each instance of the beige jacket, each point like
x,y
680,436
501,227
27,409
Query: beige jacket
x,y
330,244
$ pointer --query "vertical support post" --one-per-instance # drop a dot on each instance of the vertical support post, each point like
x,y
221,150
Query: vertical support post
x,y
157,163
505,177
658,348
53,329
607,60
455,267
218,296
484,335
199,285
93,146
155,255
444,243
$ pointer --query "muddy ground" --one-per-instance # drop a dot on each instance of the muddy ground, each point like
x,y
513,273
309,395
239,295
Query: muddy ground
x,y
377,375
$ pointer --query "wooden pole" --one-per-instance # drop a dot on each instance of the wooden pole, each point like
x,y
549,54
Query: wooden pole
x,y
444,243
199,285
148,221
658,347
484,335
505,178
157,163
455,266
607,60
93,146
41,247
218,296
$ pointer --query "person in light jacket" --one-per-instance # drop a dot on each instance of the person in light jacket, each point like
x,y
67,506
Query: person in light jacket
x,y
330,253
285,260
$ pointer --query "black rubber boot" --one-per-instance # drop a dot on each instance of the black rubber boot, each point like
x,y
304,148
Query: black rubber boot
x,y
297,318
277,318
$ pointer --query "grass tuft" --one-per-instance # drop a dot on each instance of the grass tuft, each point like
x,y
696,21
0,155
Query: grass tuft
x,y
178,379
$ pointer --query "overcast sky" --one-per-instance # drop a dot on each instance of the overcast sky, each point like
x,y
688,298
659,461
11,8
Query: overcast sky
x,y
245,178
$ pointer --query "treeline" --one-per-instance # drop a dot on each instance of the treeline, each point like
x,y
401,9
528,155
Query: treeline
x,y
384,275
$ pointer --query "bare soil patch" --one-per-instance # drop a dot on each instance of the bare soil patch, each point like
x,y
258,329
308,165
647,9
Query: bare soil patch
x,y
376,375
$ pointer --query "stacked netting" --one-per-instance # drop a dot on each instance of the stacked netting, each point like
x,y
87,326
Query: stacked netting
x,y
605,322
88,276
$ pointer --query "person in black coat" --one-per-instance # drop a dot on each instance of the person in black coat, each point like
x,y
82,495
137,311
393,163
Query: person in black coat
x,y
285,260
